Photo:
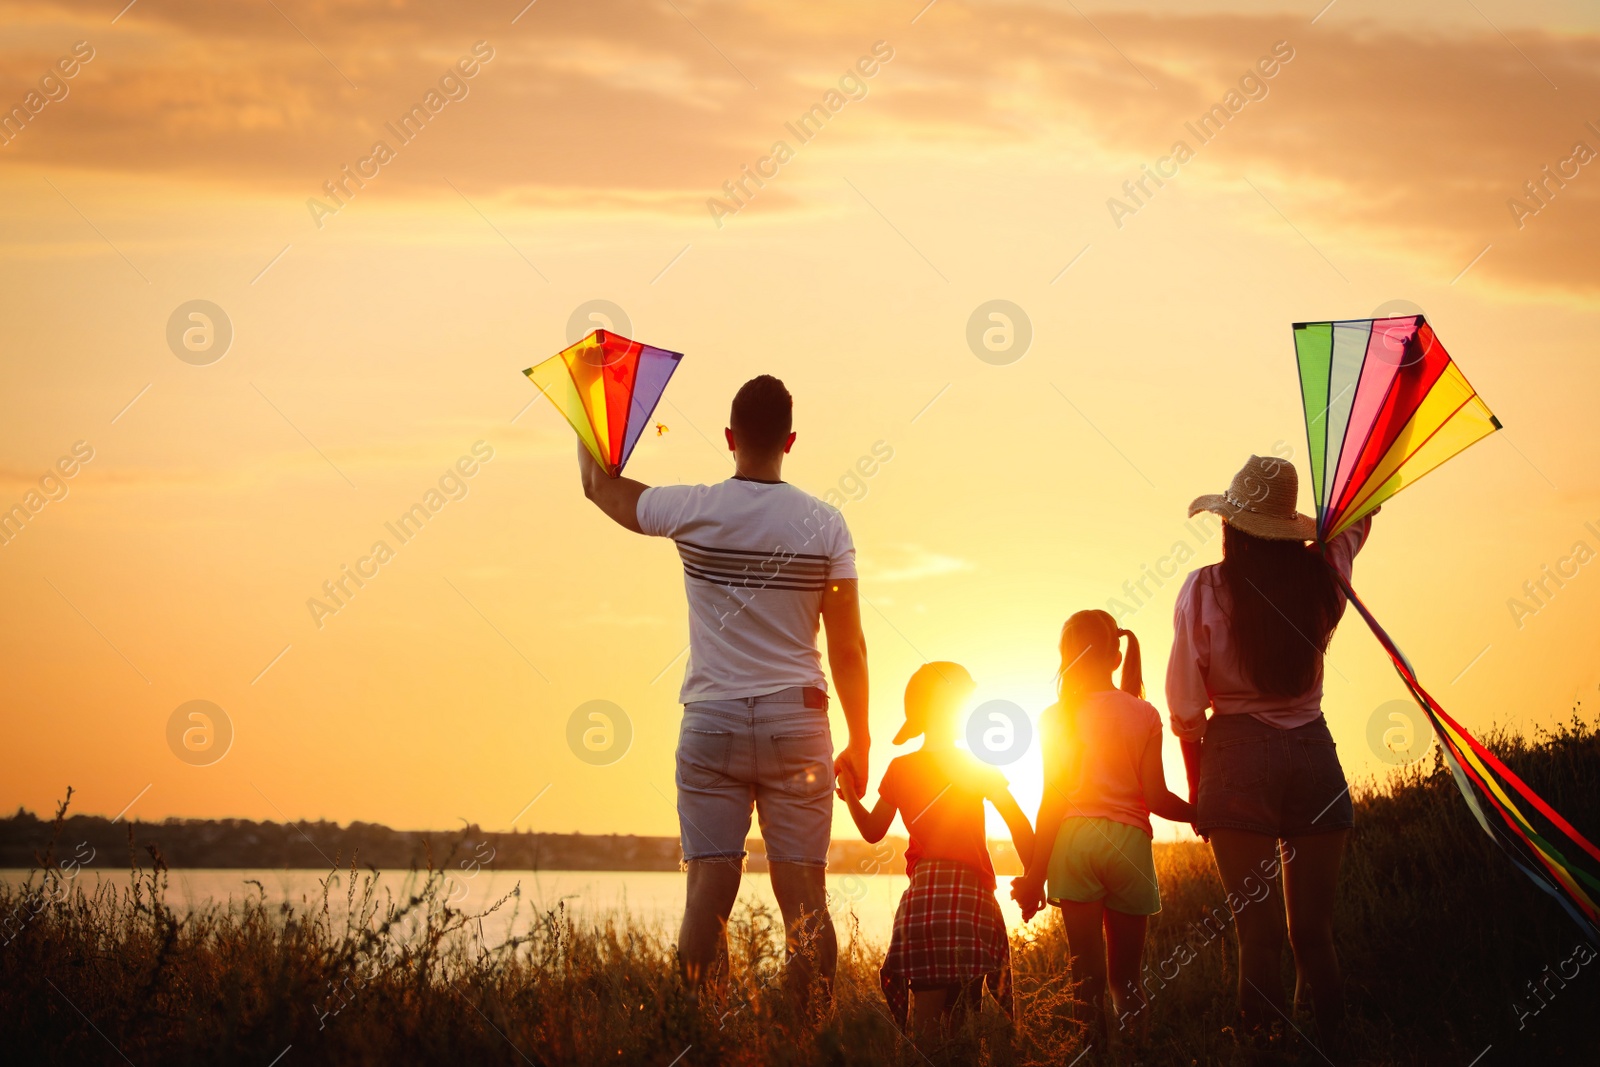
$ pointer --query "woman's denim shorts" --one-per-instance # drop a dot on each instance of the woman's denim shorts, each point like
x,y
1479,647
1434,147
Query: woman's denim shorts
x,y
772,753
1282,783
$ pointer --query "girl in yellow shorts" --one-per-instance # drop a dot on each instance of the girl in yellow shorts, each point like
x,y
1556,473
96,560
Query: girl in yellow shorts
x,y
1103,780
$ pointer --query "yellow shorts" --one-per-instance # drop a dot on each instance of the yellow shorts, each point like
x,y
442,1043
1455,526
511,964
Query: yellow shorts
x,y
1103,860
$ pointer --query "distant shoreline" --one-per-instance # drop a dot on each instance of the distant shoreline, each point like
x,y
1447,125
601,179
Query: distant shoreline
x,y
238,844
242,844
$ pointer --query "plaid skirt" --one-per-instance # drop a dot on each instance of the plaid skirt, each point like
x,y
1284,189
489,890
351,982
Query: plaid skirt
x,y
948,931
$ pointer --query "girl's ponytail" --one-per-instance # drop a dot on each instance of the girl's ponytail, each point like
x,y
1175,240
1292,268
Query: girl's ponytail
x,y
1085,632
1095,629
1132,666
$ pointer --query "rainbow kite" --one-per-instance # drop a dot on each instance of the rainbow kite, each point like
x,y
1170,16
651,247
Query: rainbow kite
x,y
607,387
1384,405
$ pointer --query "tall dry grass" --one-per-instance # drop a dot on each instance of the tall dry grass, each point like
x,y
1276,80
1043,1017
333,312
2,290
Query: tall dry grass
x,y
1444,944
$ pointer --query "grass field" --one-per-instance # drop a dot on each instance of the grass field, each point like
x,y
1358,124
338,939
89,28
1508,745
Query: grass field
x,y
1448,951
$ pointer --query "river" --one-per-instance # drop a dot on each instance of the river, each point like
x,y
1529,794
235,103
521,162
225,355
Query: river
x,y
653,900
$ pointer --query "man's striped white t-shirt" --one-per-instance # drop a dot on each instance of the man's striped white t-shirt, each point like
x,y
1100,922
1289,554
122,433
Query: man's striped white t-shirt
x,y
756,559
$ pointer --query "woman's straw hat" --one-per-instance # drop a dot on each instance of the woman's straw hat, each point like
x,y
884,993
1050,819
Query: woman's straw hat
x,y
1261,502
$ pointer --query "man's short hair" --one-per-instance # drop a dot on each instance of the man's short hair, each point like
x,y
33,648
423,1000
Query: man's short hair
x,y
762,415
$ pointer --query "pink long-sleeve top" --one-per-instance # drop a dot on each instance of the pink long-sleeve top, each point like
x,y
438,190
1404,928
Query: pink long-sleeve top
x,y
1204,670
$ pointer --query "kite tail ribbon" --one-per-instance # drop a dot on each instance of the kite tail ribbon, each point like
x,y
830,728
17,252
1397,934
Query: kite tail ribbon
x,y
1547,848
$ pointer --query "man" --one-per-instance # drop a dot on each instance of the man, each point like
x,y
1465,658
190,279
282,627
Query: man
x,y
762,562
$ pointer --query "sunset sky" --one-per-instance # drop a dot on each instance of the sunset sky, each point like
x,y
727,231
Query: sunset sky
x,y
381,335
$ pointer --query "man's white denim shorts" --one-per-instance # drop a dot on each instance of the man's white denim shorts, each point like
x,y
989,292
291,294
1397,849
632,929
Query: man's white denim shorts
x,y
773,753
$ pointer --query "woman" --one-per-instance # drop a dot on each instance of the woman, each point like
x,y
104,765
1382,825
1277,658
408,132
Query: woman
x,y
1250,633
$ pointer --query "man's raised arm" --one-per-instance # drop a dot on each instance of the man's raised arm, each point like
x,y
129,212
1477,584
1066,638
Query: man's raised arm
x,y
618,497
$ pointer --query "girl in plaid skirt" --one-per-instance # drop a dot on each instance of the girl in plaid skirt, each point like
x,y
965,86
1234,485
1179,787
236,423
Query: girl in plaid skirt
x,y
949,937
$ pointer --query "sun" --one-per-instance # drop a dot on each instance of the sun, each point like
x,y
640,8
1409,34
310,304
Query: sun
x,y
1002,729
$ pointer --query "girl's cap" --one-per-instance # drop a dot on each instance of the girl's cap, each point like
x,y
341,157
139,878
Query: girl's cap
x,y
932,684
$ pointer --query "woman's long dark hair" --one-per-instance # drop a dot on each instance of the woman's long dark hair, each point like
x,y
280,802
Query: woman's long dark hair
x,y
1285,606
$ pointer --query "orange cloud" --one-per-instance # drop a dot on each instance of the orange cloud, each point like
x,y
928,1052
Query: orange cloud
x,y
1409,142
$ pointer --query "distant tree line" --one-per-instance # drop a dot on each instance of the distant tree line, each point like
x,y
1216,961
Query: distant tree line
x,y
244,843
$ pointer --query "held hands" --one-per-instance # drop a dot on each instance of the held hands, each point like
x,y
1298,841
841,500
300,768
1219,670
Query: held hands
x,y
850,772
1028,892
